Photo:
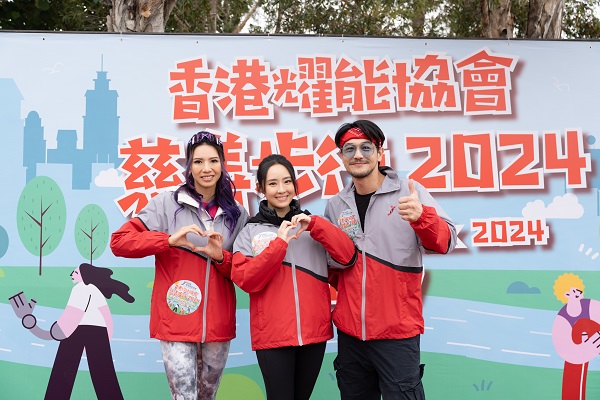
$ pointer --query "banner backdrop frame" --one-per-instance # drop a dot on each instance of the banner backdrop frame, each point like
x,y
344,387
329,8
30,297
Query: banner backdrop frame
x,y
502,132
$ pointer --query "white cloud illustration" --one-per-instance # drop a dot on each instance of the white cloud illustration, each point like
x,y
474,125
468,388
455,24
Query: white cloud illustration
x,y
109,178
566,207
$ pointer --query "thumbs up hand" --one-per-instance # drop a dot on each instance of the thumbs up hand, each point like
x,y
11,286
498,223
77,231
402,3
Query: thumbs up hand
x,y
409,207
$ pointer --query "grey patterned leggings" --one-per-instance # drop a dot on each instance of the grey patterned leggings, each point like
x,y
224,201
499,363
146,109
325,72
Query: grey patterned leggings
x,y
194,370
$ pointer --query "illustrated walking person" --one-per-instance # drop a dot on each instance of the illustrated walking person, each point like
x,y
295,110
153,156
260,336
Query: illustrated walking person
x,y
85,324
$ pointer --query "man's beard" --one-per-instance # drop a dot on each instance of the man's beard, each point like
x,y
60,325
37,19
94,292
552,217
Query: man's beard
x,y
359,174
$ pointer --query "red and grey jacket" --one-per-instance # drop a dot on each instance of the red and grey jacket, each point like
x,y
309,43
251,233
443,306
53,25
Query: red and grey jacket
x,y
193,298
290,304
380,296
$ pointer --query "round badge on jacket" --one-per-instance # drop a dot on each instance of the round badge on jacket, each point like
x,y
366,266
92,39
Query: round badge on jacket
x,y
261,242
348,222
184,297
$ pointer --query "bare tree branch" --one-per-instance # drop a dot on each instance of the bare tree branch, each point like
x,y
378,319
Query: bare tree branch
x,y
247,17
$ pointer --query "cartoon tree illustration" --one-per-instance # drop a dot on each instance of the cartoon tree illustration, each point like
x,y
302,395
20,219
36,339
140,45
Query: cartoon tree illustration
x,y
41,216
3,241
91,232
3,246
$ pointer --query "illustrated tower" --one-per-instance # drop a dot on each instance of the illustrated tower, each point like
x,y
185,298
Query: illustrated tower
x,y
34,144
11,128
101,122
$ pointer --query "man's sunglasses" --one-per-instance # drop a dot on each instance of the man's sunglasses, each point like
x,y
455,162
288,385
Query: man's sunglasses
x,y
366,149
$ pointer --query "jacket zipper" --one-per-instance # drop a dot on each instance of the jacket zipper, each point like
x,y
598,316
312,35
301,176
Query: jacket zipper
x,y
296,298
206,281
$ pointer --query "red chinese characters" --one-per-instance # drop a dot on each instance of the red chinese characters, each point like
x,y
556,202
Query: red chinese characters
x,y
148,168
192,91
326,85
247,88
485,79
430,86
235,147
329,166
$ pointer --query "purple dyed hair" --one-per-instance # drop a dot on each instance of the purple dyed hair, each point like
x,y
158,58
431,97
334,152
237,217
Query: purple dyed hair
x,y
225,190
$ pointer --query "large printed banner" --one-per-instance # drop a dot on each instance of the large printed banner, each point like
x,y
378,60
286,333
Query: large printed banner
x,y
502,133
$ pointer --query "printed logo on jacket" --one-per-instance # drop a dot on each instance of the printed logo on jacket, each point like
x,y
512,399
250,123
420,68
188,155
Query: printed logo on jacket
x,y
261,241
348,222
184,297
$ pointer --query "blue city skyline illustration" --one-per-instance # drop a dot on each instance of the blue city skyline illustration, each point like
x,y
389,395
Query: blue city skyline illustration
x,y
25,154
100,137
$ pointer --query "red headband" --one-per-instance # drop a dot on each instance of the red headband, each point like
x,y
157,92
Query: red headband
x,y
353,133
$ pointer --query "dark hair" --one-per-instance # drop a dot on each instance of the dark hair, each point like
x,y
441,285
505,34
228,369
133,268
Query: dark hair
x,y
267,163
369,128
225,190
100,277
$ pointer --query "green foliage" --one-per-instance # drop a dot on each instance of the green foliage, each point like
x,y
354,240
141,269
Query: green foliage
x,y
427,18
91,232
462,18
339,17
519,9
579,21
421,18
41,216
194,16
53,15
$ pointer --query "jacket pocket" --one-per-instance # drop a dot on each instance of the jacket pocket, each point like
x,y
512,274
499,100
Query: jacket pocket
x,y
411,386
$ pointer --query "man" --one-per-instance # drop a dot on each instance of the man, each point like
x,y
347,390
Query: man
x,y
378,314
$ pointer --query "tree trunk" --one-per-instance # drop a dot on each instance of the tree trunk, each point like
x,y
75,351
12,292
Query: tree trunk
x,y
212,18
279,18
496,19
544,19
418,19
139,15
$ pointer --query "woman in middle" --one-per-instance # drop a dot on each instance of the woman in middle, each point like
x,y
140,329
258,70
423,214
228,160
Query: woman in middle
x,y
285,272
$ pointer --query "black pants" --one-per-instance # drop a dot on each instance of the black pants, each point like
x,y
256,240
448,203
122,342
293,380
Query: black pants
x,y
367,370
290,373
102,370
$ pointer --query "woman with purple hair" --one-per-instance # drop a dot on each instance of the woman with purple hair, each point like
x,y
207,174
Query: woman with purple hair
x,y
190,232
